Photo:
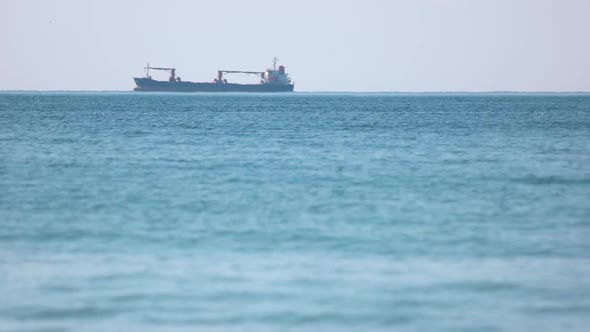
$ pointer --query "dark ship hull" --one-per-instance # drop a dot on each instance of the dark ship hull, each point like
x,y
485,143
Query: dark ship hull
x,y
146,84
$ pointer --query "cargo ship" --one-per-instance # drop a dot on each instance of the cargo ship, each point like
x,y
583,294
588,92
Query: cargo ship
x,y
271,80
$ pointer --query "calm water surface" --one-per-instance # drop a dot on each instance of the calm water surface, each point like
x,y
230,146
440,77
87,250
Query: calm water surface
x,y
299,212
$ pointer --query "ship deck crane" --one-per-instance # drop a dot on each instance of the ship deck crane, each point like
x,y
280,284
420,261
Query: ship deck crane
x,y
171,70
261,73
221,72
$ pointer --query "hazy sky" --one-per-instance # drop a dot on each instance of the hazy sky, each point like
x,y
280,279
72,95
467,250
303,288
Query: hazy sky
x,y
412,45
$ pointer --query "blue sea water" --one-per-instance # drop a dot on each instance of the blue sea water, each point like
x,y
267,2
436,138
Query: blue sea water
x,y
294,212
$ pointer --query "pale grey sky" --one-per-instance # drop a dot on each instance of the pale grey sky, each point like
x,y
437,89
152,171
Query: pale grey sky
x,y
369,45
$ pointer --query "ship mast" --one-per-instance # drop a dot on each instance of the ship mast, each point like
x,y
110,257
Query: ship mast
x,y
274,63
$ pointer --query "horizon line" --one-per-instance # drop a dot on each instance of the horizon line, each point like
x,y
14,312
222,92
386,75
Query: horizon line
x,y
321,91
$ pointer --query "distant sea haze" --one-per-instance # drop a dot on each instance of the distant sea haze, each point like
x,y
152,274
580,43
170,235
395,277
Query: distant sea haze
x,y
303,212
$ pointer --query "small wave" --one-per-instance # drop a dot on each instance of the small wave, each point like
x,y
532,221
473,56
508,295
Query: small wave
x,y
479,286
550,180
63,313
136,133
573,309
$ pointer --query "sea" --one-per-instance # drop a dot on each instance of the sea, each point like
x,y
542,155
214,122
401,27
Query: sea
x,y
124,211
